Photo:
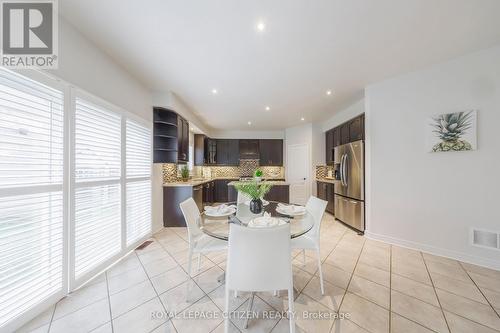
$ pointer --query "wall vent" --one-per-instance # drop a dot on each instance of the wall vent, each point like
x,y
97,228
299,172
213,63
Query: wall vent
x,y
488,239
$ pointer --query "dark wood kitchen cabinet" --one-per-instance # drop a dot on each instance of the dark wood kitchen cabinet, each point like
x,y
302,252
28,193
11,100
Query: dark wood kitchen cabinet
x,y
199,150
336,137
279,193
356,129
249,149
329,146
182,140
271,152
209,192
344,134
170,137
325,191
228,152
221,190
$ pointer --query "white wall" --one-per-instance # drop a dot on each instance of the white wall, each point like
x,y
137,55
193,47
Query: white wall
x,y
353,110
427,200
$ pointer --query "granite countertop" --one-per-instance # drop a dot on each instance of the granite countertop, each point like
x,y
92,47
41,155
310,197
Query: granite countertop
x,y
327,180
196,181
272,182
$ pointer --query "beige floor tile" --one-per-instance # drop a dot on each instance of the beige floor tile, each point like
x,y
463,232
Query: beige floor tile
x,y
167,327
300,279
381,262
81,298
366,314
492,296
83,320
305,307
342,261
370,290
147,257
283,326
374,274
415,289
439,259
220,329
128,263
141,319
346,326
208,280
488,282
400,324
158,266
336,276
405,253
332,297
481,270
205,264
411,270
467,308
278,302
465,289
259,322
459,324
452,271
311,265
418,311
106,328
218,297
131,297
374,243
169,279
38,324
126,280
188,322
181,297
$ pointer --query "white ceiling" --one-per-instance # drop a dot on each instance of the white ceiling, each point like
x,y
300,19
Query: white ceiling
x,y
308,47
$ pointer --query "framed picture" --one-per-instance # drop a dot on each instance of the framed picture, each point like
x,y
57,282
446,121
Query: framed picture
x,y
452,132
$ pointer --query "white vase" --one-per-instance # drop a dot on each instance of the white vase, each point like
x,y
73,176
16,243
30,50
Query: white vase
x,y
257,179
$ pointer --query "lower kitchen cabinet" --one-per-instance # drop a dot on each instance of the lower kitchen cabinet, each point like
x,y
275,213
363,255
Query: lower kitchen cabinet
x,y
280,193
326,192
172,197
221,190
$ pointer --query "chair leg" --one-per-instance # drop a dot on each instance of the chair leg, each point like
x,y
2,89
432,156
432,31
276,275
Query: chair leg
x,y
226,310
320,274
190,259
291,310
249,309
199,262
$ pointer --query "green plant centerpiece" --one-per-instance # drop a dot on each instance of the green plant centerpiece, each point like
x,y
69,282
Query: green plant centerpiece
x,y
255,191
185,173
257,175
450,128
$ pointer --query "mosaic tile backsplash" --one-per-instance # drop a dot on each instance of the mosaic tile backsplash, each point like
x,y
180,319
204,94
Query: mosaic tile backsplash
x,y
246,169
322,170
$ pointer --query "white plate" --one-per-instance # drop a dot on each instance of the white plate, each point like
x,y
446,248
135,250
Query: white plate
x,y
286,212
229,212
265,222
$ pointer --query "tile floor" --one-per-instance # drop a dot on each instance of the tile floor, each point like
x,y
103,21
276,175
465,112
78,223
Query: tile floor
x,y
382,288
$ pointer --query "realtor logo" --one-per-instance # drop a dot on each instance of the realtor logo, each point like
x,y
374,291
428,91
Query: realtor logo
x,y
29,33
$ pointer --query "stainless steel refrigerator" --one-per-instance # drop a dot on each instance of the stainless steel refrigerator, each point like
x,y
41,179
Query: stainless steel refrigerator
x,y
350,190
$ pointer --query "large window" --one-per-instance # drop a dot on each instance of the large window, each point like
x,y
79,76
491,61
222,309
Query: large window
x,y
31,194
75,191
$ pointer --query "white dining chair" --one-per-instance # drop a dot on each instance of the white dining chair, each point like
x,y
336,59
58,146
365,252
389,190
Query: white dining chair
x,y
311,240
199,243
242,198
259,260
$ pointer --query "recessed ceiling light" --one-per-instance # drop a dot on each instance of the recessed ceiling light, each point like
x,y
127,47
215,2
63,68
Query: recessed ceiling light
x,y
268,108
328,92
261,26
302,119
214,91
249,123
192,129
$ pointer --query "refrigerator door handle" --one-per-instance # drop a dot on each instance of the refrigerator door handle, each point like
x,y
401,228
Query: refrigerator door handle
x,y
342,170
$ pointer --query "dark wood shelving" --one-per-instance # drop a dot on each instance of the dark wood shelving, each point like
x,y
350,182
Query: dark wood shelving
x,y
171,135
165,123
165,136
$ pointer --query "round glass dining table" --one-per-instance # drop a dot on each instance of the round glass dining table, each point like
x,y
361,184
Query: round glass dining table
x,y
218,227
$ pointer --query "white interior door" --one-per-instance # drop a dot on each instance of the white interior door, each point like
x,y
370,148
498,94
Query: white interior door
x,y
298,162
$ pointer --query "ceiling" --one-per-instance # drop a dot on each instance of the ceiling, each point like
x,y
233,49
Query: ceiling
x,y
307,47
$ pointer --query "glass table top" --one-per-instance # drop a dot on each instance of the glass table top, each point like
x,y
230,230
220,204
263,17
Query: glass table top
x,y
218,227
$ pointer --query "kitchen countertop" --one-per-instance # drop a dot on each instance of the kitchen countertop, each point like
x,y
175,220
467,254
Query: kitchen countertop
x,y
326,180
200,181
272,182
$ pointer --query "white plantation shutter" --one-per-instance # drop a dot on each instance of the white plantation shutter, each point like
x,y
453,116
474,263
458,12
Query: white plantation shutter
x,y
138,191
97,197
31,194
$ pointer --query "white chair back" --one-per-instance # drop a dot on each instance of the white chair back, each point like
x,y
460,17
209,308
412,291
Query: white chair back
x,y
316,207
242,198
191,215
259,259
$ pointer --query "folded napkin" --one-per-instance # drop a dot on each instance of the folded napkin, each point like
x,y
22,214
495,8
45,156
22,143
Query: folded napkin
x,y
291,209
265,221
220,209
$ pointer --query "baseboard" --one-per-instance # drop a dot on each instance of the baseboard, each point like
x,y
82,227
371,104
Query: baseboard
x,y
489,263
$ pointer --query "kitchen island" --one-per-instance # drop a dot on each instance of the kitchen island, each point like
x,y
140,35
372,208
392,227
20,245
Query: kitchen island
x,y
279,192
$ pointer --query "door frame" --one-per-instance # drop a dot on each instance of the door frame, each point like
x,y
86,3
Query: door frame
x,y
308,181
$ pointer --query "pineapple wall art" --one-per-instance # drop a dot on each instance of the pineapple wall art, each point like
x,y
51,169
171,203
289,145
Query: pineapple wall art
x,y
453,132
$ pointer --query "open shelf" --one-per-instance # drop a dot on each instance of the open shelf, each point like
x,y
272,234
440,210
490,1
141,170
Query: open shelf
x,y
165,123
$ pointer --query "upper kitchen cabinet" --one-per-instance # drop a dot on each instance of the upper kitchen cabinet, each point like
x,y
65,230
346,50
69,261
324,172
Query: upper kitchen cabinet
x,y
350,131
182,140
249,149
357,128
228,152
271,152
329,144
200,157
171,136
344,134
336,137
